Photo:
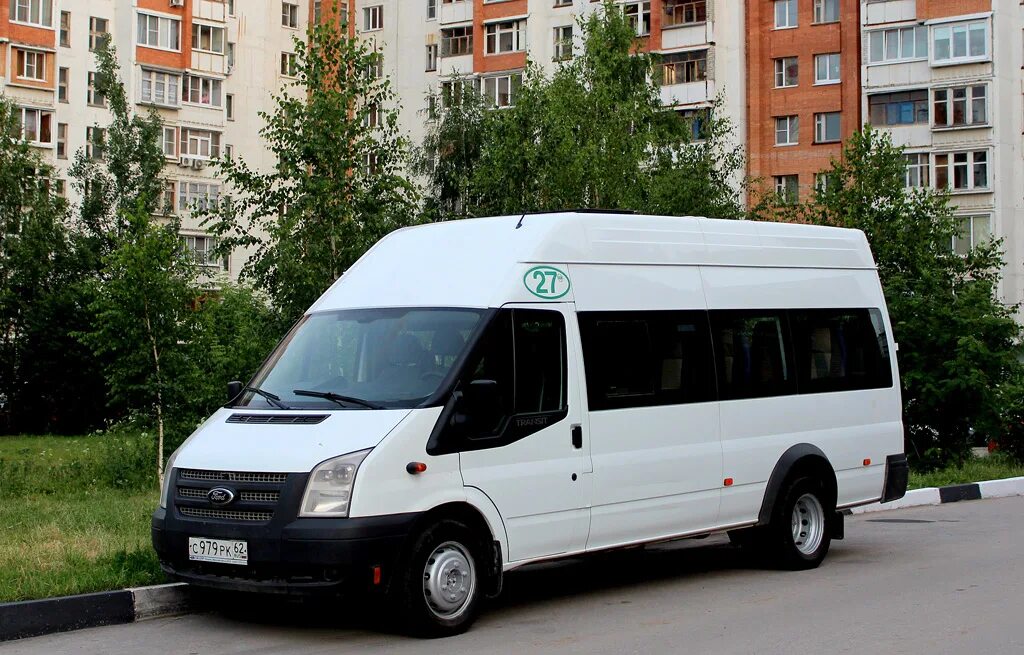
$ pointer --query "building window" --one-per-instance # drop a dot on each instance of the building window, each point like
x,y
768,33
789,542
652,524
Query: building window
x,y
374,116
917,170
897,44
375,69
229,106
501,91
785,13
208,38
974,231
36,126
97,30
95,142
289,64
33,12
65,29
231,56
960,106
901,108
202,91
787,70
953,44
62,84
697,119
62,140
505,37
639,16
167,199
962,171
823,181
826,11
231,7
826,68
683,67
452,92
201,144
200,195
685,12
170,142
563,42
457,41
826,127
160,32
203,249
431,57
787,188
93,96
431,9
159,88
289,14
31,65
373,18
787,130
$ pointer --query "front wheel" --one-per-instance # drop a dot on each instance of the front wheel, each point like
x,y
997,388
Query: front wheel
x,y
799,534
438,592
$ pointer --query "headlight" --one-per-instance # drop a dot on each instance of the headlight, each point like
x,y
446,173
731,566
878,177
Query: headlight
x,y
165,488
329,489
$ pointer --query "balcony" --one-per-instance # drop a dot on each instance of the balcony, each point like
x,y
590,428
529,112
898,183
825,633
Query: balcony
x,y
688,93
460,65
687,35
460,11
893,11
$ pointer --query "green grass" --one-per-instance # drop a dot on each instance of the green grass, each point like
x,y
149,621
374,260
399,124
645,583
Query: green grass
x,y
993,467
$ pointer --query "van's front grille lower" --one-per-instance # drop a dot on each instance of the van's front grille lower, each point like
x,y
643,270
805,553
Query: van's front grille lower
x,y
226,514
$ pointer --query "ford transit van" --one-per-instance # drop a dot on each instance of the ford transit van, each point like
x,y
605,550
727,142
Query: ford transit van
x,y
477,395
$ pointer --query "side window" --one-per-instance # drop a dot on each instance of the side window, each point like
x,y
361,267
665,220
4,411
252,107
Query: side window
x,y
640,359
752,353
840,350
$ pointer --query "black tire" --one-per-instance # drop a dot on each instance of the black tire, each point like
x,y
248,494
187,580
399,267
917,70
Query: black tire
x,y
807,549
408,594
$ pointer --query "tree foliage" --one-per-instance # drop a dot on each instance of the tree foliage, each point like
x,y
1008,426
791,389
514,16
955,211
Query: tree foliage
x,y
338,184
593,134
958,345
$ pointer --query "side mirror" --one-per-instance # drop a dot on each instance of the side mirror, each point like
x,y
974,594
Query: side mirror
x,y
234,390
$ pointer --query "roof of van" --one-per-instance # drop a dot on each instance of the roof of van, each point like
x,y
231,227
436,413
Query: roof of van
x,y
470,263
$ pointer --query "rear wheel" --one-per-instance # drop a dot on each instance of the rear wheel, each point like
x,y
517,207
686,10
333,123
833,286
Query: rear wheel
x,y
438,591
799,534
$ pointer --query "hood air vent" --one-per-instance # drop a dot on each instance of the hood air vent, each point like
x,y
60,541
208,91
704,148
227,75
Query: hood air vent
x,y
278,419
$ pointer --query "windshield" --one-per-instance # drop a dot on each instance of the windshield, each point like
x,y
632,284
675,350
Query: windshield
x,y
363,358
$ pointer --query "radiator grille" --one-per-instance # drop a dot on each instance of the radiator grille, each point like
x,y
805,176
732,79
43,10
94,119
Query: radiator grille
x,y
231,476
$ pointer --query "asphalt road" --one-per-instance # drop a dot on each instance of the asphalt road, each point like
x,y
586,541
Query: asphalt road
x,y
930,580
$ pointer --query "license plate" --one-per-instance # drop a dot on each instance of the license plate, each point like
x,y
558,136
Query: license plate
x,y
222,551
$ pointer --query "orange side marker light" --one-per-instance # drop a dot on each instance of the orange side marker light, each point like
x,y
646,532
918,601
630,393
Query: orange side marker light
x,y
728,482
415,468
867,462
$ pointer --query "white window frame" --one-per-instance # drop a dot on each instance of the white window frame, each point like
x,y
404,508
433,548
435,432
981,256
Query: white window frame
x,y
491,89
163,36
970,234
908,42
784,191
431,9
563,42
196,140
32,66
432,53
212,87
514,31
968,28
203,255
684,12
289,64
788,18
63,84
373,18
821,123
787,127
91,93
154,80
919,169
201,193
827,57
90,138
969,100
289,14
197,38
969,159
169,137
780,73
94,33
638,13
21,12
61,141
38,115
821,13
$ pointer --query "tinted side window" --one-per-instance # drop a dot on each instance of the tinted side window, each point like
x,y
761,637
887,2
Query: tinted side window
x,y
840,350
638,359
538,343
752,353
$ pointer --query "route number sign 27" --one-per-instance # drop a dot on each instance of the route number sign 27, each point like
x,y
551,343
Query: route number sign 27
x,y
547,282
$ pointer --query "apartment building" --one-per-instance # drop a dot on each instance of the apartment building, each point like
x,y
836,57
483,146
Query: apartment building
x,y
487,42
205,66
803,85
944,78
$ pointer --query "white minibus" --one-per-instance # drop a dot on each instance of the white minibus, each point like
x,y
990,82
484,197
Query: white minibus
x,y
478,395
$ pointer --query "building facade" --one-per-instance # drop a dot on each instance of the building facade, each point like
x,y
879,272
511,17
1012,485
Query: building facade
x,y
943,77
207,67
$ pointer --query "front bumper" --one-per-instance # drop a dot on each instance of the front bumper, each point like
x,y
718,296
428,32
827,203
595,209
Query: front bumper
x,y
287,555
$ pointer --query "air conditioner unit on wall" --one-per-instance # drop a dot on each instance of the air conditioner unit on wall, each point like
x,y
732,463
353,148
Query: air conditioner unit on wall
x,y
185,162
177,3
198,164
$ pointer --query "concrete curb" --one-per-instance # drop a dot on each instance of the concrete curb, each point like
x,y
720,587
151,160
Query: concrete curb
x,y
32,618
951,494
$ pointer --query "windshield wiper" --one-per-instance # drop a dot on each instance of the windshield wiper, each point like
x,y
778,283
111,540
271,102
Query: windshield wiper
x,y
338,398
274,399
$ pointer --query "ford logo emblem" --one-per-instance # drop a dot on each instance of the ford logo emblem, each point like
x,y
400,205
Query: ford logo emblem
x,y
220,495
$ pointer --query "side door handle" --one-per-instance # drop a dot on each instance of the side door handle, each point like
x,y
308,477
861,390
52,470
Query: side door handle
x,y
577,436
